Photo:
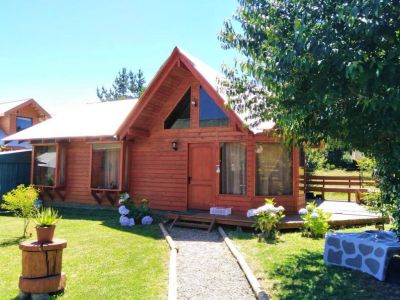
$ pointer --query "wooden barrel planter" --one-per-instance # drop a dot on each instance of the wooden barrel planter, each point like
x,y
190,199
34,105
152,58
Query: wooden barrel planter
x,y
41,267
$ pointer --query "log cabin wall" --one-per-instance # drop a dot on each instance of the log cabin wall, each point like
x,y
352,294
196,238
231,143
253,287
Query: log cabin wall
x,y
160,174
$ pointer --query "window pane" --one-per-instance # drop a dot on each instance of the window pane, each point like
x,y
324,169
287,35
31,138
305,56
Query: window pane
x,y
210,113
105,166
180,116
45,165
233,168
273,170
23,123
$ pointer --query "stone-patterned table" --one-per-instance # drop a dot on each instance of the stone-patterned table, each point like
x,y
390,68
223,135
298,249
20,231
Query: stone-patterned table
x,y
368,251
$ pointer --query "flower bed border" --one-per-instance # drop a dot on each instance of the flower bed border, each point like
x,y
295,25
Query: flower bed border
x,y
172,277
255,285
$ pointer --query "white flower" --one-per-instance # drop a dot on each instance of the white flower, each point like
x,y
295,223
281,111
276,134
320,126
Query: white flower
x,y
147,220
251,212
308,207
303,211
124,221
126,196
280,208
123,210
314,215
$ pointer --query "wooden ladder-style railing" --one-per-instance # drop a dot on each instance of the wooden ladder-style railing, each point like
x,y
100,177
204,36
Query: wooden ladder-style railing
x,y
338,184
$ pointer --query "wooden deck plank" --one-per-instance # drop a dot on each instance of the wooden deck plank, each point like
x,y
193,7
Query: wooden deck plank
x,y
343,214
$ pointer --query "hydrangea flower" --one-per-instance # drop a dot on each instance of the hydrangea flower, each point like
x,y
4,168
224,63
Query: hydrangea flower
x,y
280,208
251,212
147,220
314,215
309,207
123,210
124,221
303,211
131,222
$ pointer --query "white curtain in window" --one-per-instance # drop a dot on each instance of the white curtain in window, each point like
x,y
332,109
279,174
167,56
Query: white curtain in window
x,y
233,168
273,170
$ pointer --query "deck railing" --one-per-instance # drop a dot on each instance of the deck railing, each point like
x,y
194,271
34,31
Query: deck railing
x,y
339,184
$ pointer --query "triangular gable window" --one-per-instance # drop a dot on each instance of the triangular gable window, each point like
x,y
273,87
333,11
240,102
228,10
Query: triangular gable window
x,y
210,113
180,116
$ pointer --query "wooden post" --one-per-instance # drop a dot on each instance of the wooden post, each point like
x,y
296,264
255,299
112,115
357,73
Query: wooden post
x,y
172,281
349,193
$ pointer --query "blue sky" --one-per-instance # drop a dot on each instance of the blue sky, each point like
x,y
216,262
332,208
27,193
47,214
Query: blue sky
x,y
58,52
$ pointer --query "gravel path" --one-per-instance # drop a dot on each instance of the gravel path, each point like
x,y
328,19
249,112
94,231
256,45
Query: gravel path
x,y
206,269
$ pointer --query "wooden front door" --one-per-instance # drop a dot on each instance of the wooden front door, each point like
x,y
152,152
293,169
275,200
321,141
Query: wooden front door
x,y
201,176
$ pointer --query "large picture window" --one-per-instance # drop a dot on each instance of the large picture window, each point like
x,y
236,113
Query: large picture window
x,y
210,113
45,163
180,116
233,169
273,170
106,166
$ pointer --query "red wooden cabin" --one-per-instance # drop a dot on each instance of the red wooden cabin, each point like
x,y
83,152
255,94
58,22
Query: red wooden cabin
x,y
177,146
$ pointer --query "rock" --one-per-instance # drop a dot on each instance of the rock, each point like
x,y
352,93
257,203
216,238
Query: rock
x,y
365,249
334,242
355,262
335,257
348,247
372,264
379,252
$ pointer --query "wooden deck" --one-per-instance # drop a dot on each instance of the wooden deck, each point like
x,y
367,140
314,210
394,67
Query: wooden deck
x,y
343,214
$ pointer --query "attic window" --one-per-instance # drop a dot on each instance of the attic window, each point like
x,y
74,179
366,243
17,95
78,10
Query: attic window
x,y
180,116
211,115
23,123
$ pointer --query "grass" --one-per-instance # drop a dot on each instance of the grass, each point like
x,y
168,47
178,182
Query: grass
x,y
293,268
339,172
102,260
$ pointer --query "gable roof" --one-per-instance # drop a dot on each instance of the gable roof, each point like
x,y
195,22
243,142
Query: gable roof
x,y
108,119
208,78
11,106
100,119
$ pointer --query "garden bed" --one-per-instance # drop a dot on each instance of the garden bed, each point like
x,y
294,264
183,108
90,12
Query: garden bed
x,y
102,261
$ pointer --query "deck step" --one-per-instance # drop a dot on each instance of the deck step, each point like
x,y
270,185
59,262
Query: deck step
x,y
192,225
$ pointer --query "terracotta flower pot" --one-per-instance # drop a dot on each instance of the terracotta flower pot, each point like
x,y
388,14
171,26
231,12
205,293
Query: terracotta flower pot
x,y
45,234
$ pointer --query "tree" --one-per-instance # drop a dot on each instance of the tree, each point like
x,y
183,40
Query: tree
x,y
324,71
127,85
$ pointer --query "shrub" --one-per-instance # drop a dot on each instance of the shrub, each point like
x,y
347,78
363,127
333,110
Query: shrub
x,y
315,220
129,209
315,160
267,217
366,164
21,201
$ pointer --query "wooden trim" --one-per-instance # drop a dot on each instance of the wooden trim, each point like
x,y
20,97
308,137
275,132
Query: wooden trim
x,y
153,86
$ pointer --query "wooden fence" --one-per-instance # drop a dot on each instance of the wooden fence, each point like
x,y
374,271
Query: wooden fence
x,y
339,184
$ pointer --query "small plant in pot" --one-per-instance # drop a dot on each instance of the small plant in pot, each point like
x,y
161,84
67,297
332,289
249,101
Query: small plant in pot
x,y
46,220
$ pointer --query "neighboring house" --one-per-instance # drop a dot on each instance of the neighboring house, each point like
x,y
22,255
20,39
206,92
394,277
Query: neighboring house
x,y
19,115
178,146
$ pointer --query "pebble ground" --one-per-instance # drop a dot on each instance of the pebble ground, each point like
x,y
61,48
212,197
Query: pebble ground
x,y
206,269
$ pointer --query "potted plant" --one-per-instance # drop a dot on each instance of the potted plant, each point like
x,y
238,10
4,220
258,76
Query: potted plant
x,y
46,220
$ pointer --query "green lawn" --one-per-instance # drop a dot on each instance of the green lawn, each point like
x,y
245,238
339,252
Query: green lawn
x,y
102,260
293,268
